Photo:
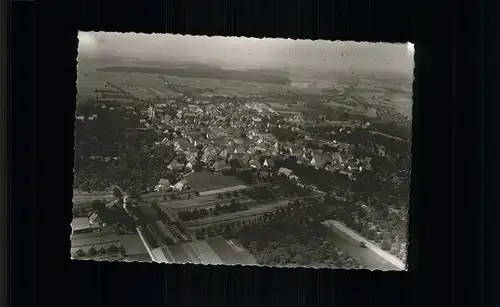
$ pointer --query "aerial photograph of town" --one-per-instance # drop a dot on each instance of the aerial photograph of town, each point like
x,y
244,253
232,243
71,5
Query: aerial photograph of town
x,y
228,150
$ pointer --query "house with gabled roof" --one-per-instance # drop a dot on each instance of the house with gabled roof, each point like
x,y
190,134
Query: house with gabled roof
x,y
239,150
223,153
80,225
176,165
272,150
254,164
95,220
285,172
209,154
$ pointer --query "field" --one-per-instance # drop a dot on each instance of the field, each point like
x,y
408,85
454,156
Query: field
x,y
250,213
212,251
144,81
229,254
93,240
224,190
77,199
132,245
201,72
204,252
188,203
205,181
284,109
180,255
206,201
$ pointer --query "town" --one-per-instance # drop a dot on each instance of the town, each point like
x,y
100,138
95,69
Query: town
x,y
280,179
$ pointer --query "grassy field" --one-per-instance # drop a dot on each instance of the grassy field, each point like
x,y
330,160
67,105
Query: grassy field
x,y
90,198
228,255
132,245
144,82
90,241
211,251
198,203
201,72
180,255
250,213
187,203
224,190
204,252
205,181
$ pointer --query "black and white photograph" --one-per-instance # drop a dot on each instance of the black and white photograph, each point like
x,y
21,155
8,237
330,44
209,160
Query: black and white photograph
x,y
242,151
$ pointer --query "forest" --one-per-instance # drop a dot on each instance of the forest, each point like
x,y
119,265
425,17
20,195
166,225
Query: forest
x,y
110,150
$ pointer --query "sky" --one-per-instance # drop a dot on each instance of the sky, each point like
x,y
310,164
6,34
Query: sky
x,y
248,53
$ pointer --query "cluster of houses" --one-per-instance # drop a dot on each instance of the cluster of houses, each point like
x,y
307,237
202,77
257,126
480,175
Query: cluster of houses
x,y
228,135
234,135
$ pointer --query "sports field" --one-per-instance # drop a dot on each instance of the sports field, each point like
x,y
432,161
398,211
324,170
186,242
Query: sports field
x,y
206,181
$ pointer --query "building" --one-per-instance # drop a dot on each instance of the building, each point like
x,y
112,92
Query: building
x,y
285,172
81,225
95,221
254,164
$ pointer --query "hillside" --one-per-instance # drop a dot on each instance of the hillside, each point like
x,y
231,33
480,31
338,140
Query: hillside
x,y
200,72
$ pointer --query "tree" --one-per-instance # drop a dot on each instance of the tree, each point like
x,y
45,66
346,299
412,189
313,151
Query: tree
x,y
92,252
102,250
234,203
80,253
117,192
98,205
113,249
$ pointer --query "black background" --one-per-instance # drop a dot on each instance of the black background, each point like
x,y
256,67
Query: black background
x,y
453,153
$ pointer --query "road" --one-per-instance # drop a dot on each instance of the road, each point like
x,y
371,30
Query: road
x,y
211,204
371,256
364,255
388,136
145,243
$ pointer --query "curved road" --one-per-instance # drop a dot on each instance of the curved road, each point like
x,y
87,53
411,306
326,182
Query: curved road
x,y
364,255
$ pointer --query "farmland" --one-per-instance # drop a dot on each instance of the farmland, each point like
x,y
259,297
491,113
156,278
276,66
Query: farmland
x,y
143,81
204,252
212,251
228,254
180,255
250,213
224,190
198,202
201,72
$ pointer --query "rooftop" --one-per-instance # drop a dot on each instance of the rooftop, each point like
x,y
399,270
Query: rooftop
x,y
80,223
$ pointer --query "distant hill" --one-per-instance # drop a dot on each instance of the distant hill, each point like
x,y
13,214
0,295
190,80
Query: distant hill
x,y
202,71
